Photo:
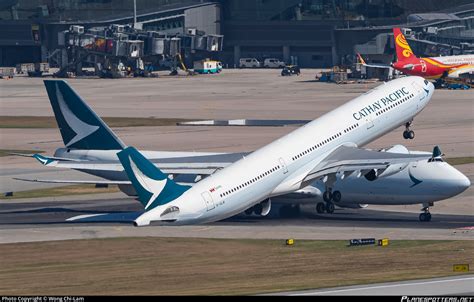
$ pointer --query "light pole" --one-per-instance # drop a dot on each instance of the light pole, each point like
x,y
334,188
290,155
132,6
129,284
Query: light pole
x,y
134,13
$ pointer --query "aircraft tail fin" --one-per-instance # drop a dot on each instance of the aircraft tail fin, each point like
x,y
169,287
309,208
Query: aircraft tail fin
x,y
80,127
404,52
153,187
361,60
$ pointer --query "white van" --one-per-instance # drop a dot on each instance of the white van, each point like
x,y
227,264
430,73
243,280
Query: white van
x,y
273,63
249,63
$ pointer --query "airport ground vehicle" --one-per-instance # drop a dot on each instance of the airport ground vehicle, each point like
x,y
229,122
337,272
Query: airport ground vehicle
x,y
7,72
458,86
273,63
290,70
207,66
249,63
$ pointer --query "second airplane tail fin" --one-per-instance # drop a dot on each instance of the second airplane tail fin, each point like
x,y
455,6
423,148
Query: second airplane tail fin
x,y
404,52
153,187
361,60
80,127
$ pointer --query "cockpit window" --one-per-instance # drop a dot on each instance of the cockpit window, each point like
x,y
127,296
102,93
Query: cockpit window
x,y
426,82
438,159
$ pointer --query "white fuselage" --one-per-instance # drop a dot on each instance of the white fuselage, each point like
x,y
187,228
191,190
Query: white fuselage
x,y
455,60
420,181
279,167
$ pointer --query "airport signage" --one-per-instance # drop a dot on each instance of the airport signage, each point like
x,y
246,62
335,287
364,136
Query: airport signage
x,y
363,241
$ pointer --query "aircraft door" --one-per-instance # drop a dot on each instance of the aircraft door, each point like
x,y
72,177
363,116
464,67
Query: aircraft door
x,y
283,165
206,196
369,122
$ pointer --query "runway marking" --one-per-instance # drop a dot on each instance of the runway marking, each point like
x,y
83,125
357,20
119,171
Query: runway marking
x,y
466,228
204,228
383,286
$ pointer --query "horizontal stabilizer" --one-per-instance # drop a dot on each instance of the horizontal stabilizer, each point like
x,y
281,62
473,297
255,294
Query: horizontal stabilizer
x,y
106,217
91,182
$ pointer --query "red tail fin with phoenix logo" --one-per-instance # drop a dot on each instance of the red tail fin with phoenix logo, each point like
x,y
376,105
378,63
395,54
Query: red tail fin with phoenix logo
x,y
404,52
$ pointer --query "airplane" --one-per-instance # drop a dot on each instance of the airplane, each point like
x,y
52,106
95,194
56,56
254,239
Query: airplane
x,y
418,182
70,110
452,67
318,150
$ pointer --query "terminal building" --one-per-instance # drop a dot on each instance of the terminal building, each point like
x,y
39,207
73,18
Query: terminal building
x,y
310,33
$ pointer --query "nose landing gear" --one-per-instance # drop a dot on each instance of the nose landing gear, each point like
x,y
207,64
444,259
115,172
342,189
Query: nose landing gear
x,y
408,134
426,215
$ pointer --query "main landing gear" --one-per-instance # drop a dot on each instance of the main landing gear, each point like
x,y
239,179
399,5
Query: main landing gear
x,y
328,205
426,215
408,134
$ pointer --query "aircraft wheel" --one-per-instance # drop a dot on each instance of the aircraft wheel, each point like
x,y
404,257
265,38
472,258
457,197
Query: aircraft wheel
x,y
428,217
336,196
320,207
411,134
330,207
405,134
327,196
425,217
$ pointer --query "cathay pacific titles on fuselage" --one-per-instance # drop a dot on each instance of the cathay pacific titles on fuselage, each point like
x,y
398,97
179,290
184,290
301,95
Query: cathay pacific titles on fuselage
x,y
380,104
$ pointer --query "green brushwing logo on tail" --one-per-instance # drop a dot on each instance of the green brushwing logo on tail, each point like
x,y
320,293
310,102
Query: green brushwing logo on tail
x,y
153,187
80,127
43,160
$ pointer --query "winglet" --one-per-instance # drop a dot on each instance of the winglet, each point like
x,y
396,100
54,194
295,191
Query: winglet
x,y
153,187
42,159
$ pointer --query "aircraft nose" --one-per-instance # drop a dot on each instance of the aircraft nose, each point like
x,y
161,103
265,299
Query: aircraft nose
x,y
459,182
464,183
431,87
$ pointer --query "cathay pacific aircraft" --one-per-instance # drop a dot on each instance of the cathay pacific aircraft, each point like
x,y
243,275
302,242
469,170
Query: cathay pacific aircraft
x,y
91,147
320,150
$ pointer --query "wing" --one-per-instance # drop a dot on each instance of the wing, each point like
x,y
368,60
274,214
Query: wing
x,y
199,165
77,182
362,61
351,159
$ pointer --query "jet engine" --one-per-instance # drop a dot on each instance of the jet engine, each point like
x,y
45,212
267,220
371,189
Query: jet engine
x,y
261,209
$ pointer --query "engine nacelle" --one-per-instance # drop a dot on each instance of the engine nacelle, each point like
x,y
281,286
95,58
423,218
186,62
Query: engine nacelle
x,y
266,207
261,209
